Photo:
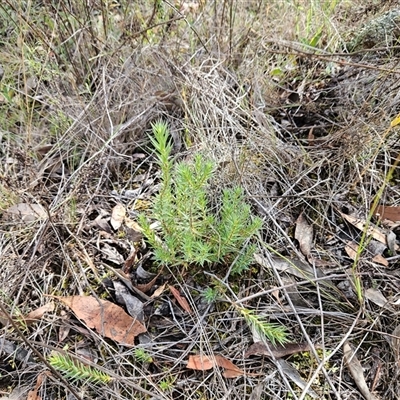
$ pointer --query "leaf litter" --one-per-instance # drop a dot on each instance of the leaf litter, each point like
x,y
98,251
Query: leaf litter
x,y
277,350
304,157
204,363
118,216
108,319
356,371
374,231
304,234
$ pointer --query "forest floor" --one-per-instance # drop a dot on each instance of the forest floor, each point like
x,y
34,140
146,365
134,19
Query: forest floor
x,y
294,102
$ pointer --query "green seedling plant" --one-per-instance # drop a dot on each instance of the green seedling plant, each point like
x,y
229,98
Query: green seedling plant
x,y
76,371
190,232
142,356
167,384
267,331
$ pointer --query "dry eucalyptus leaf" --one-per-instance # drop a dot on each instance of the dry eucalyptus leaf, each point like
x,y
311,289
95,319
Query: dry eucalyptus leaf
x,y
145,287
376,297
356,371
374,247
130,223
205,363
103,224
292,290
379,259
117,216
391,213
276,293
37,314
159,291
372,230
143,274
230,369
180,299
34,393
276,351
293,267
351,249
200,363
25,212
106,318
304,234
133,305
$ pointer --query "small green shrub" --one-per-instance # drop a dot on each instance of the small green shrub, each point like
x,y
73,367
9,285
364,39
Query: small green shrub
x,y
267,331
190,231
142,356
76,371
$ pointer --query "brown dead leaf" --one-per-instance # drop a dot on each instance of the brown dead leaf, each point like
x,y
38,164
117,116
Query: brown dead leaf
x,y
230,369
293,292
356,371
277,351
111,253
304,234
106,318
379,259
351,249
205,363
133,230
103,225
372,230
37,314
276,293
200,363
63,333
181,300
144,274
132,258
145,287
33,394
117,216
391,213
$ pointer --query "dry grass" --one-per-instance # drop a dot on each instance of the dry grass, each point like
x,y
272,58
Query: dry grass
x,y
301,130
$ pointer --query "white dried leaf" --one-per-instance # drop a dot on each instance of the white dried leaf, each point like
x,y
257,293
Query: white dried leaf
x,y
117,216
